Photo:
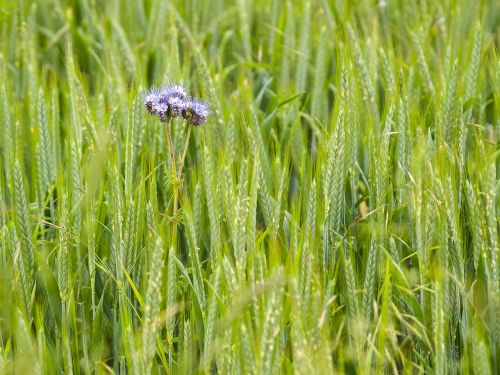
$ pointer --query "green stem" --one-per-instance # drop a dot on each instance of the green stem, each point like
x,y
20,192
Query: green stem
x,y
175,185
177,177
181,163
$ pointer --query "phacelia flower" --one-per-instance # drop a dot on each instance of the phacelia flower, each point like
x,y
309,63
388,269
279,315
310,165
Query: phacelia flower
x,y
162,111
171,100
176,106
196,111
151,98
169,91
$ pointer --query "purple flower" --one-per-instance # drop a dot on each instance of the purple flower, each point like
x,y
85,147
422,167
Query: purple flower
x,y
167,92
171,100
176,105
196,111
151,98
171,90
162,111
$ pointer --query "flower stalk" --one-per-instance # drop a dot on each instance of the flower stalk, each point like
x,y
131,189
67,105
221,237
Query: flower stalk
x,y
168,102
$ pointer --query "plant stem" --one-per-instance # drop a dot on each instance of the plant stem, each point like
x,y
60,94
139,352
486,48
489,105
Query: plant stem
x,y
174,183
186,144
171,147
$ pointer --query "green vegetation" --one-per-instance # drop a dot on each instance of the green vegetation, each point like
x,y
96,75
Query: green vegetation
x,y
337,213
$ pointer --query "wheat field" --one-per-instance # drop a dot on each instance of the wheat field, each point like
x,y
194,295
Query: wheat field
x,y
337,212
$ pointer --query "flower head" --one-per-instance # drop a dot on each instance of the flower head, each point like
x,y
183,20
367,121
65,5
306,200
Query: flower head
x,y
151,98
196,111
176,106
162,111
172,90
171,100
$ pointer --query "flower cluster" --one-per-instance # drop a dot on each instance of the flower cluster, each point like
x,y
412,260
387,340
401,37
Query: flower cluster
x,y
170,101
